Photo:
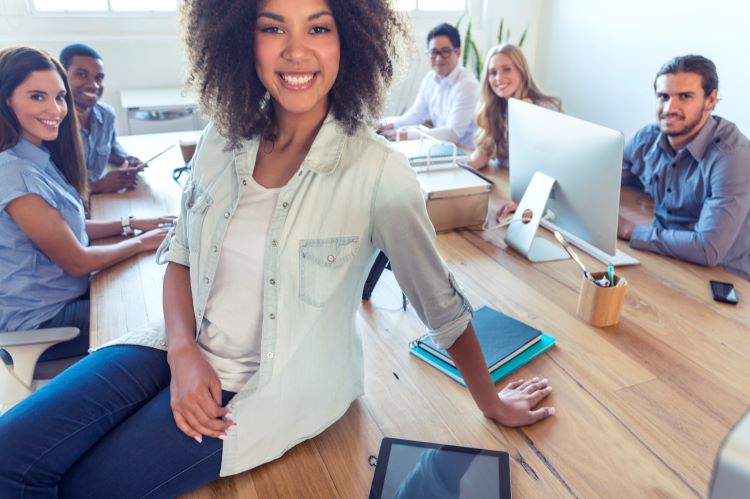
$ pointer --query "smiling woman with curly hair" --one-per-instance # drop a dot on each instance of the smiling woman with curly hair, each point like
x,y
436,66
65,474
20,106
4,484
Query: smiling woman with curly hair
x,y
290,198
217,33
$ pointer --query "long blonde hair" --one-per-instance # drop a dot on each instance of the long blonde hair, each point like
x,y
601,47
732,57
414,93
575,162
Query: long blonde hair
x,y
492,133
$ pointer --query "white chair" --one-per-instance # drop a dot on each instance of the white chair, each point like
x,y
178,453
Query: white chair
x,y
24,348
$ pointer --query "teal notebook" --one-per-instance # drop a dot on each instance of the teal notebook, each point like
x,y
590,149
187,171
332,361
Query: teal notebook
x,y
500,336
513,365
487,322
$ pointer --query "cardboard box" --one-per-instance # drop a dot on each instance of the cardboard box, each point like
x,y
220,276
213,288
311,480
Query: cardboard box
x,y
455,196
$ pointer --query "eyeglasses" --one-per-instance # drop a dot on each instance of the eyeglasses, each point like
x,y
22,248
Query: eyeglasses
x,y
444,52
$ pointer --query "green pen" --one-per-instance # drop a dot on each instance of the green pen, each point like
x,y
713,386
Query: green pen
x,y
611,274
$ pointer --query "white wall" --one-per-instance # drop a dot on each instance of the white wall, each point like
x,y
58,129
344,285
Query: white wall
x,y
600,57
144,51
138,51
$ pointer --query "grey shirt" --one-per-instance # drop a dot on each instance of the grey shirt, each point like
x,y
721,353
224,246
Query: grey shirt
x,y
701,195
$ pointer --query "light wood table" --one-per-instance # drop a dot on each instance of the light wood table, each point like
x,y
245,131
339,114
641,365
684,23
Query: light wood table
x,y
128,295
641,407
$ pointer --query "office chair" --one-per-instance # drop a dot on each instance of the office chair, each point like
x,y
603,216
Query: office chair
x,y
23,349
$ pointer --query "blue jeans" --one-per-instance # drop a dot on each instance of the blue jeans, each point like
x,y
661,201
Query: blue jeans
x,y
75,313
104,428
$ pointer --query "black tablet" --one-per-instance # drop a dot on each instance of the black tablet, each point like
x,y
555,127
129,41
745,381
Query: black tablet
x,y
408,469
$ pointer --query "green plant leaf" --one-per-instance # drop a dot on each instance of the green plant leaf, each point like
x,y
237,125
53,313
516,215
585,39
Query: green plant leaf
x,y
523,37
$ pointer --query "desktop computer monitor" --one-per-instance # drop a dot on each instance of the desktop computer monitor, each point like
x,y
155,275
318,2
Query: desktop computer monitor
x,y
584,159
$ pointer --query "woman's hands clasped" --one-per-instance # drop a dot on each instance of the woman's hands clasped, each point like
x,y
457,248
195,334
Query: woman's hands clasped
x,y
196,396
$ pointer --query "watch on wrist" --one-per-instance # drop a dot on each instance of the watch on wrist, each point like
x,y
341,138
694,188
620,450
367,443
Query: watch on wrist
x,y
126,228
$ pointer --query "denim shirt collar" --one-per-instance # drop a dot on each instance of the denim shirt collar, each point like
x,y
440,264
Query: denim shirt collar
x,y
97,114
325,153
38,155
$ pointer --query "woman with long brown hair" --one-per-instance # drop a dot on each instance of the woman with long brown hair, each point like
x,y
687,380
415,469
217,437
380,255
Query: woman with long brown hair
x,y
45,257
506,76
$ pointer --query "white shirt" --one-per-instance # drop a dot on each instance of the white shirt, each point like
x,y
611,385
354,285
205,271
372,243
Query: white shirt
x,y
230,335
450,102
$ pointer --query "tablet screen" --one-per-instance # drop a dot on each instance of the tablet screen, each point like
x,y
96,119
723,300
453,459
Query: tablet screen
x,y
409,469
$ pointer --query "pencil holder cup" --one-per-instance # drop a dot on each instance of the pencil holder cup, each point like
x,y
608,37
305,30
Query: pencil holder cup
x,y
601,306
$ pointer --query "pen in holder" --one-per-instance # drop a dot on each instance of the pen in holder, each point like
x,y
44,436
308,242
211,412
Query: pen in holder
x,y
598,305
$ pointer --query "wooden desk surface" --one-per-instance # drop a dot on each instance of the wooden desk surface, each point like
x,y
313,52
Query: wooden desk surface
x,y
641,407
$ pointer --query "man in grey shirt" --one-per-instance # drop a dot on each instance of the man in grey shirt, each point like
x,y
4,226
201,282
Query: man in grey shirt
x,y
696,168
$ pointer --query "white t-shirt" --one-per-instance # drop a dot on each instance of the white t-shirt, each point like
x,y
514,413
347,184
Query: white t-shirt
x,y
231,329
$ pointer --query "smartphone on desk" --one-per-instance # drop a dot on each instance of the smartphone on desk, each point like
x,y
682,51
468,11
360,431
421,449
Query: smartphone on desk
x,y
724,292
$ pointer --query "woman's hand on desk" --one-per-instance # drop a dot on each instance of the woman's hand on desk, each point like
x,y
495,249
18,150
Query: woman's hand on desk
x,y
196,395
517,402
507,209
152,239
146,224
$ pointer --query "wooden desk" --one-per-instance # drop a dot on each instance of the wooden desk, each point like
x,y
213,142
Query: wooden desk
x,y
128,295
641,407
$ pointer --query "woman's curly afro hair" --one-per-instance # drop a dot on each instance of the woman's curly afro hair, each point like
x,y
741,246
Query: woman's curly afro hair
x,y
218,36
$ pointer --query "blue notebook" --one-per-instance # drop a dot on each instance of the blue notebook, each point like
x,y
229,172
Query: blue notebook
x,y
501,338
513,363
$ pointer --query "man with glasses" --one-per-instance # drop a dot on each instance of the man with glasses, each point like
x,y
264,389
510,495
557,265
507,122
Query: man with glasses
x,y
448,94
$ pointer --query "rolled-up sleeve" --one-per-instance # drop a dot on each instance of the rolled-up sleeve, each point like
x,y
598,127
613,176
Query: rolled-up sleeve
x,y
402,229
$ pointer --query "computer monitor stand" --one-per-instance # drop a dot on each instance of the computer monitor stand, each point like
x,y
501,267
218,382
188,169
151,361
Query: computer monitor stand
x,y
521,233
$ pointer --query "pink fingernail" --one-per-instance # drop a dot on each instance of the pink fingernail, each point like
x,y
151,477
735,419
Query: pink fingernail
x,y
552,411
223,436
229,416
233,427
198,439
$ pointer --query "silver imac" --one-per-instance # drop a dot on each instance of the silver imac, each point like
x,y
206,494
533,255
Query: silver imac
x,y
585,161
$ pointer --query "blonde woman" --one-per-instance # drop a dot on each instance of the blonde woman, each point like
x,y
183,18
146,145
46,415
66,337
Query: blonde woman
x,y
506,75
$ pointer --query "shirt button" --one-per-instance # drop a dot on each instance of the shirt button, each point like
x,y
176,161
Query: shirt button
x,y
244,181
274,243
226,214
285,204
272,316
331,258
674,165
214,248
269,355
206,280
273,281
669,189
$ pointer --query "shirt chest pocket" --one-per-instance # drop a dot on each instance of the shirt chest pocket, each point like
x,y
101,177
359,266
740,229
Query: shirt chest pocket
x,y
102,151
323,267
196,202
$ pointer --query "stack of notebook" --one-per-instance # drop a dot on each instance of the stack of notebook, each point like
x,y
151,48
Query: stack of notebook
x,y
507,344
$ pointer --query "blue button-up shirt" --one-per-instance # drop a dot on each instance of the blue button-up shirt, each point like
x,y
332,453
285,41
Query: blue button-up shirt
x,y
701,195
34,289
100,140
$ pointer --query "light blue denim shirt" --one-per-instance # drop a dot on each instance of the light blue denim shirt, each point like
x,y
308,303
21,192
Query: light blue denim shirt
x,y
352,195
701,195
100,140
33,288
